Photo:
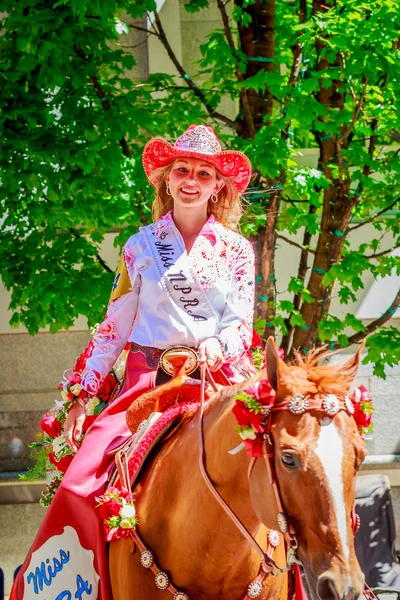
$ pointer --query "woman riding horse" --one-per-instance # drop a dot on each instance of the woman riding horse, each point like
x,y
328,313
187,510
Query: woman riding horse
x,y
186,279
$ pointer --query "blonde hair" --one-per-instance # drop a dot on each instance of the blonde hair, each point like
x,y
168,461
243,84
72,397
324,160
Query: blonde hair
x,y
227,210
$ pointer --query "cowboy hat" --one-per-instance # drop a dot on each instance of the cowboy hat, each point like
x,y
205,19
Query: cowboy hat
x,y
198,141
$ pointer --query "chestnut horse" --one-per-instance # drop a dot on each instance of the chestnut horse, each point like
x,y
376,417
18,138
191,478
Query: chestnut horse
x,y
316,459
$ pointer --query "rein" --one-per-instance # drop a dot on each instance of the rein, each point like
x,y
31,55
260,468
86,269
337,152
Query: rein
x,y
268,566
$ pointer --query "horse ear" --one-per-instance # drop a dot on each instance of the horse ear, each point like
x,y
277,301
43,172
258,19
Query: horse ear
x,y
350,367
275,365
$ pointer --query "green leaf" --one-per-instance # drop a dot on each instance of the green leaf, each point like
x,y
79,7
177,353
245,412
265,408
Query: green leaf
x,y
286,306
195,5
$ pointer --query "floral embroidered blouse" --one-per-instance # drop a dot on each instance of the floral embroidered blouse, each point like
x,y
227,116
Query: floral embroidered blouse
x,y
178,298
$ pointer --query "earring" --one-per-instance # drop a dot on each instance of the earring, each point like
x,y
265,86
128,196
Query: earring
x,y
214,197
167,188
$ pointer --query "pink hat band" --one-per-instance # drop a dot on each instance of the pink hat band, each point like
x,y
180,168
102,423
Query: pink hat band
x,y
198,141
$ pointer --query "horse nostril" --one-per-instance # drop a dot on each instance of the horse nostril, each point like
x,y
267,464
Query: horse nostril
x,y
350,593
326,588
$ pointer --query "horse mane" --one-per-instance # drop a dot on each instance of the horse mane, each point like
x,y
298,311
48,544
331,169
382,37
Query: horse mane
x,y
304,375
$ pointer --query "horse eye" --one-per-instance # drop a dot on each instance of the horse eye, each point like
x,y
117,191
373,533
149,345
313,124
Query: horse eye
x,y
289,460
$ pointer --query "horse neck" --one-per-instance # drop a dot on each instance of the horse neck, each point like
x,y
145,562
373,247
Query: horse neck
x,y
196,522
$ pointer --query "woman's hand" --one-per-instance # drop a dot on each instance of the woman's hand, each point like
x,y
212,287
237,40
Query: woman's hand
x,y
210,351
73,426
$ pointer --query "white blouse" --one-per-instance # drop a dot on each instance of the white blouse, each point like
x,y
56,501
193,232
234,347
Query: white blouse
x,y
178,298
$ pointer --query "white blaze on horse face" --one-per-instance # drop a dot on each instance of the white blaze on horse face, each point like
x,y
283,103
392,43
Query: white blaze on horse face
x,y
330,452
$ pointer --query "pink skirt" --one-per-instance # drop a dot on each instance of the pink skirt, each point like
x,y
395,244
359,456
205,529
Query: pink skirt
x,y
69,557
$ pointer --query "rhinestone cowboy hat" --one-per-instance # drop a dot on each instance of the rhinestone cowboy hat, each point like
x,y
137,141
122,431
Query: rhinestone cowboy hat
x,y
198,141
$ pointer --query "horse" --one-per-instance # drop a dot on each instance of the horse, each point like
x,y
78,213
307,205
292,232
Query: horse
x,y
316,456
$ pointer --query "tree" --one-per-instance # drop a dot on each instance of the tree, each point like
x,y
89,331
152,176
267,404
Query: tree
x,y
302,74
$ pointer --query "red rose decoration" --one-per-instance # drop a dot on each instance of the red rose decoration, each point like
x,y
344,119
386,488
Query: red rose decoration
x,y
255,421
363,408
256,341
50,426
251,390
362,419
365,397
124,493
81,361
110,509
107,388
73,378
241,413
254,447
62,464
246,417
265,392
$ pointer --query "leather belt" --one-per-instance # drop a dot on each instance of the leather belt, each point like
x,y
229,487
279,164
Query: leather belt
x,y
151,355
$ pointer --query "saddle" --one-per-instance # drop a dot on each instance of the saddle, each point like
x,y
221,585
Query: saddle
x,y
154,414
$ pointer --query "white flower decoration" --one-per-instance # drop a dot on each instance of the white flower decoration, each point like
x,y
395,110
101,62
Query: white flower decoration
x,y
248,434
58,405
75,389
315,173
59,446
127,511
91,406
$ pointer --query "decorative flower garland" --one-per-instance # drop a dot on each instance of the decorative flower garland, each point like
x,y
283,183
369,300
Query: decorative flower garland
x,y
58,455
250,410
118,513
254,404
363,409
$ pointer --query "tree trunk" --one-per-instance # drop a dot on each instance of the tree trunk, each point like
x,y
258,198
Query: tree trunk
x,y
257,41
337,209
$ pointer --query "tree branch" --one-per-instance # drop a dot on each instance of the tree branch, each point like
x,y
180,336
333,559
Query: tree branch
x,y
197,91
376,254
141,29
101,261
357,112
292,243
225,21
378,214
387,315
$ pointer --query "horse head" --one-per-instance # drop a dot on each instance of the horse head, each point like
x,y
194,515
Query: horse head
x,y
317,451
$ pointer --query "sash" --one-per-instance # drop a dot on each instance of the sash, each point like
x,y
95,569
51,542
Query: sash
x,y
180,281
